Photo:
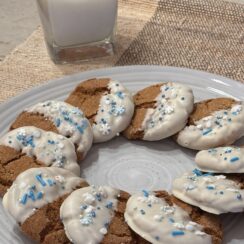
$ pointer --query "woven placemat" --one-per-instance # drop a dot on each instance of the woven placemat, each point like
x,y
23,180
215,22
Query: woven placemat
x,y
199,34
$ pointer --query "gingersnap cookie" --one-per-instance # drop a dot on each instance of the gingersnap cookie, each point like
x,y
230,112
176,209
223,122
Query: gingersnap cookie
x,y
213,123
35,198
161,111
161,218
30,147
212,193
61,118
96,215
106,103
221,160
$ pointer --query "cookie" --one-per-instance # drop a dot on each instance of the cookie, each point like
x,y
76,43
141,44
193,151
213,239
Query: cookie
x,y
221,160
35,198
161,111
61,118
161,218
30,147
106,103
215,194
95,215
213,123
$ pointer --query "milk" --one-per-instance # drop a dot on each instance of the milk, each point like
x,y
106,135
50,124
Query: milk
x,y
75,22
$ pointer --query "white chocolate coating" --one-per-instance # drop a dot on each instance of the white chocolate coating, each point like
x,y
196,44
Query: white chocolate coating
x,y
87,212
213,194
69,121
221,160
157,222
173,107
221,128
48,147
36,187
114,114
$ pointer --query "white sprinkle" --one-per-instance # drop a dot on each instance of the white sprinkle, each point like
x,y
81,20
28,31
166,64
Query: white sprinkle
x,y
89,209
199,126
157,217
207,118
103,231
199,233
192,223
59,178
169,109
220,177
208,180
232,190
61,145
208,124
236,109
89,198
190,227
179,226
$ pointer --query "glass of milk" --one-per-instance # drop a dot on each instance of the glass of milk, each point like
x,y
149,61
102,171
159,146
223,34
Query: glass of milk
x,y
78,29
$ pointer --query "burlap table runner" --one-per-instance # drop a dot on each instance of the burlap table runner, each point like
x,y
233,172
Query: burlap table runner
x,y
200,34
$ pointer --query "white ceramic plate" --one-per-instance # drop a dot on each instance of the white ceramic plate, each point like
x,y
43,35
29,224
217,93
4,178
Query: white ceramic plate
x,y
127,165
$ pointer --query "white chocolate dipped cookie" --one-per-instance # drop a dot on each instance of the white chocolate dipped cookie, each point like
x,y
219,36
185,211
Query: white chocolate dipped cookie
x,y
87,213
106,103
161,111
212,193
221,160
48,148
62,118
36,187
213,123
161,218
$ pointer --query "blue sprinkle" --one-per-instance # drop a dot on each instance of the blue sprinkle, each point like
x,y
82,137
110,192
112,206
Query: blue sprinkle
x,y
177,233
51,182
239,197
171,220
142,211
157,238
109,205
221,192
225,158
206,131
51,142
234,159
93,214
149,205
106,225
24,199
145,193
41,181
197,172
58,122
98,196
120,94
234,113
39,195
33,187
83,207
210,187
166,88
31,195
